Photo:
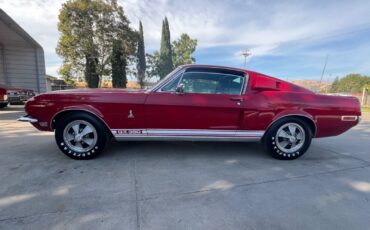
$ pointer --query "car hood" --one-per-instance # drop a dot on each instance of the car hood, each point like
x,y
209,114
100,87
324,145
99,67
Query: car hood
x,y
94,95
94,91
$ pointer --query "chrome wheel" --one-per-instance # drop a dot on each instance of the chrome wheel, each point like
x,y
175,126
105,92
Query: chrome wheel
x,y
290,137
80,136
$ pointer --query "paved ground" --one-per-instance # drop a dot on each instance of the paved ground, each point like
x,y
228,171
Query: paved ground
x,y
182,185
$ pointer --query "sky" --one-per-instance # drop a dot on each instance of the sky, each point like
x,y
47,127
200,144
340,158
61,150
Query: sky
x,y
286,39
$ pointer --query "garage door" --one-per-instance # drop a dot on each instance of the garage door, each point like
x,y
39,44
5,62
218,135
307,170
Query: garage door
x,y
2,77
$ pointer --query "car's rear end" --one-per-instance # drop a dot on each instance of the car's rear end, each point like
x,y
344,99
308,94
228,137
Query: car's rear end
x,y
3,98
336,114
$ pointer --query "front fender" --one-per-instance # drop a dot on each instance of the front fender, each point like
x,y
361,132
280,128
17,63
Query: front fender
x,y
82,107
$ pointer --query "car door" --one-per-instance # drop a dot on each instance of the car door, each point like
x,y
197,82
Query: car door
x,y
211,104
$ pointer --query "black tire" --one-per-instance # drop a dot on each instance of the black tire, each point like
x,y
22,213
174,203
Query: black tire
x,y
101,132
274,146
3,105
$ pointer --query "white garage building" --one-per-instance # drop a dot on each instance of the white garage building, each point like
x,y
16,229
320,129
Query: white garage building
x,y
22,63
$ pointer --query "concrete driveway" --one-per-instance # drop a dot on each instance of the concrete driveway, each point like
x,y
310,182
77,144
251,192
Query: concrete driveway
x,y
182,185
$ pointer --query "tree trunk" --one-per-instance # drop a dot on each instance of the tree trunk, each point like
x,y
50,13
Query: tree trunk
x,y
91,76
119,63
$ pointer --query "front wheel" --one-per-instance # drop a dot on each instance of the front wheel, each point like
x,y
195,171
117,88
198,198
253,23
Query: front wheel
x,y
288,139
81,136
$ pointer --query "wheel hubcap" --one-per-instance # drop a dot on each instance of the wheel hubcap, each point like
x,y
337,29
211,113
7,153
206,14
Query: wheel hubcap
x,y
290,137
80,136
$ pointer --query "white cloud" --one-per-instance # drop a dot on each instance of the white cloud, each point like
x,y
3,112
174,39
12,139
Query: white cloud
x,y
252,23
258,50
52,69
262,26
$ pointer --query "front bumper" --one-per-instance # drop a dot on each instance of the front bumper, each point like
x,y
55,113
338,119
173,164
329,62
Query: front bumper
x,y
27,119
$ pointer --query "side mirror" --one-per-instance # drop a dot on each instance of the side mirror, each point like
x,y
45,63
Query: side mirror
x,y
180,88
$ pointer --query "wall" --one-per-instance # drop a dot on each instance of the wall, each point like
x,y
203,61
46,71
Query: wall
x,y
22,63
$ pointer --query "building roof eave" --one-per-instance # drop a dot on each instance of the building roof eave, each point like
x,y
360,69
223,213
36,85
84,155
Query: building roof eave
x,y
15,27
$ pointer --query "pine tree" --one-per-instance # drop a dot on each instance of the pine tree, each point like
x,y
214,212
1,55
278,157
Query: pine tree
x,y
119,63
165,65
183,49
141,63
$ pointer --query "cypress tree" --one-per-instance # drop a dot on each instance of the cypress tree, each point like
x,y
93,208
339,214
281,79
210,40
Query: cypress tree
x,y
141,63
118,61
165,65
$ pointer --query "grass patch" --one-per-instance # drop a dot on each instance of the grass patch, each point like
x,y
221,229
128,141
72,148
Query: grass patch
x,y
365,109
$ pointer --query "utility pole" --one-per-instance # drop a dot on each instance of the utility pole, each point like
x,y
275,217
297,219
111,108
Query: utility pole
x,y
323,70
363,96
327,88
245,53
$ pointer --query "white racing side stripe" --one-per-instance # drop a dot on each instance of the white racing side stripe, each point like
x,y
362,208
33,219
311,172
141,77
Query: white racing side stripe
x,y
185,133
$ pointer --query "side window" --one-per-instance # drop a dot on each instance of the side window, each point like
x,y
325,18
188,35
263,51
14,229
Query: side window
x,y
212,83
171,86
195,82
231,84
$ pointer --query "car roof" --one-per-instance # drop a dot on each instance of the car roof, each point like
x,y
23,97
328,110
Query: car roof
x,y
214,67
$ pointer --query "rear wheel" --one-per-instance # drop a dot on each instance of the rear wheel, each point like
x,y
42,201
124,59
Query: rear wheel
x,y
288,139
81,136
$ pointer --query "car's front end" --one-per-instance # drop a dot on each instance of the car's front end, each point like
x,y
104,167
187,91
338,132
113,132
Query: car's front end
x,y
39,110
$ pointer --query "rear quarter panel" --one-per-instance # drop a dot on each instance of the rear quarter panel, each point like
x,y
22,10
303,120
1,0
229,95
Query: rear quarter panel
x,y
265,107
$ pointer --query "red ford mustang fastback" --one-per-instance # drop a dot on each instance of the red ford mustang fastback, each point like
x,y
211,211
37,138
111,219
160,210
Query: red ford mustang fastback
x,y
194,102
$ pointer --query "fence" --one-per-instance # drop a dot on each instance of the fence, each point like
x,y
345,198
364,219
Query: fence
x,y
61,87
364,98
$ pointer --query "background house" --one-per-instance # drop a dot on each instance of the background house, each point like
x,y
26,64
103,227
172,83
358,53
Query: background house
x,y
22,63
53,83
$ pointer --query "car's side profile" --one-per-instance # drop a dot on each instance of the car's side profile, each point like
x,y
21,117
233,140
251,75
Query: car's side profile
x,y
194,102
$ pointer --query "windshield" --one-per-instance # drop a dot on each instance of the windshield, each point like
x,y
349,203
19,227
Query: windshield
x,y
165,78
